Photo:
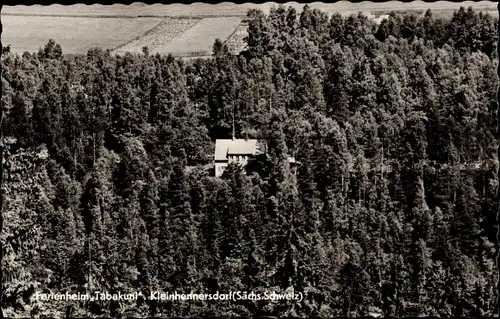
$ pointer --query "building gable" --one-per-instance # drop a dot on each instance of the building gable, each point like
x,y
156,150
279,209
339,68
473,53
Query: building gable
x,y
225,147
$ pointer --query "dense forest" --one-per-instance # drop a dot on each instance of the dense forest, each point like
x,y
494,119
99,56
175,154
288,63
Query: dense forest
x,y
392,208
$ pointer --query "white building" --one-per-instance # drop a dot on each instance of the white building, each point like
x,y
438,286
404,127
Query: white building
x,y
239,151
234,150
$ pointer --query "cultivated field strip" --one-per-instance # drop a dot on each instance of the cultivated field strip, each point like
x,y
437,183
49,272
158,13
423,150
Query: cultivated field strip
x,y
160,35
199,39
75,35
236,41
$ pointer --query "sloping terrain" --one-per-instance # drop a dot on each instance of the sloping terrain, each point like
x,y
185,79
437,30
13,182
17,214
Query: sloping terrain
x,y
159,36
199,39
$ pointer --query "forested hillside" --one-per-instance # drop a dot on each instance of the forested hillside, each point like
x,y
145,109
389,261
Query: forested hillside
x,y
391,209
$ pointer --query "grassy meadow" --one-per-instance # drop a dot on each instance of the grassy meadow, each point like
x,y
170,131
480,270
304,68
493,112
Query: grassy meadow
x,y
75,35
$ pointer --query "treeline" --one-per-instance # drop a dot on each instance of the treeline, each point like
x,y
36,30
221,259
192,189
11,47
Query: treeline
x,y
391,210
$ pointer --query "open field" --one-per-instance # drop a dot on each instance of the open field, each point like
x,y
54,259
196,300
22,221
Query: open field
x,y
179,29
75,35
230,9
159,36
201,37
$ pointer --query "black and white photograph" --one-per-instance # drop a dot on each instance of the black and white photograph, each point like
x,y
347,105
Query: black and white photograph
x,y
249,159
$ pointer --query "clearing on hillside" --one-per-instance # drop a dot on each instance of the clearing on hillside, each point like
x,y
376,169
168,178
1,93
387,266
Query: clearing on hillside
x,y
199,39
75,35
161,35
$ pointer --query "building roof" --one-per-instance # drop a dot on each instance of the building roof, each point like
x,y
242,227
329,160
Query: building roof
x,y
238,147
223,147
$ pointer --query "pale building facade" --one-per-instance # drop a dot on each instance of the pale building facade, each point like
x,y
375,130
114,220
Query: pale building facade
x,y
234,150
